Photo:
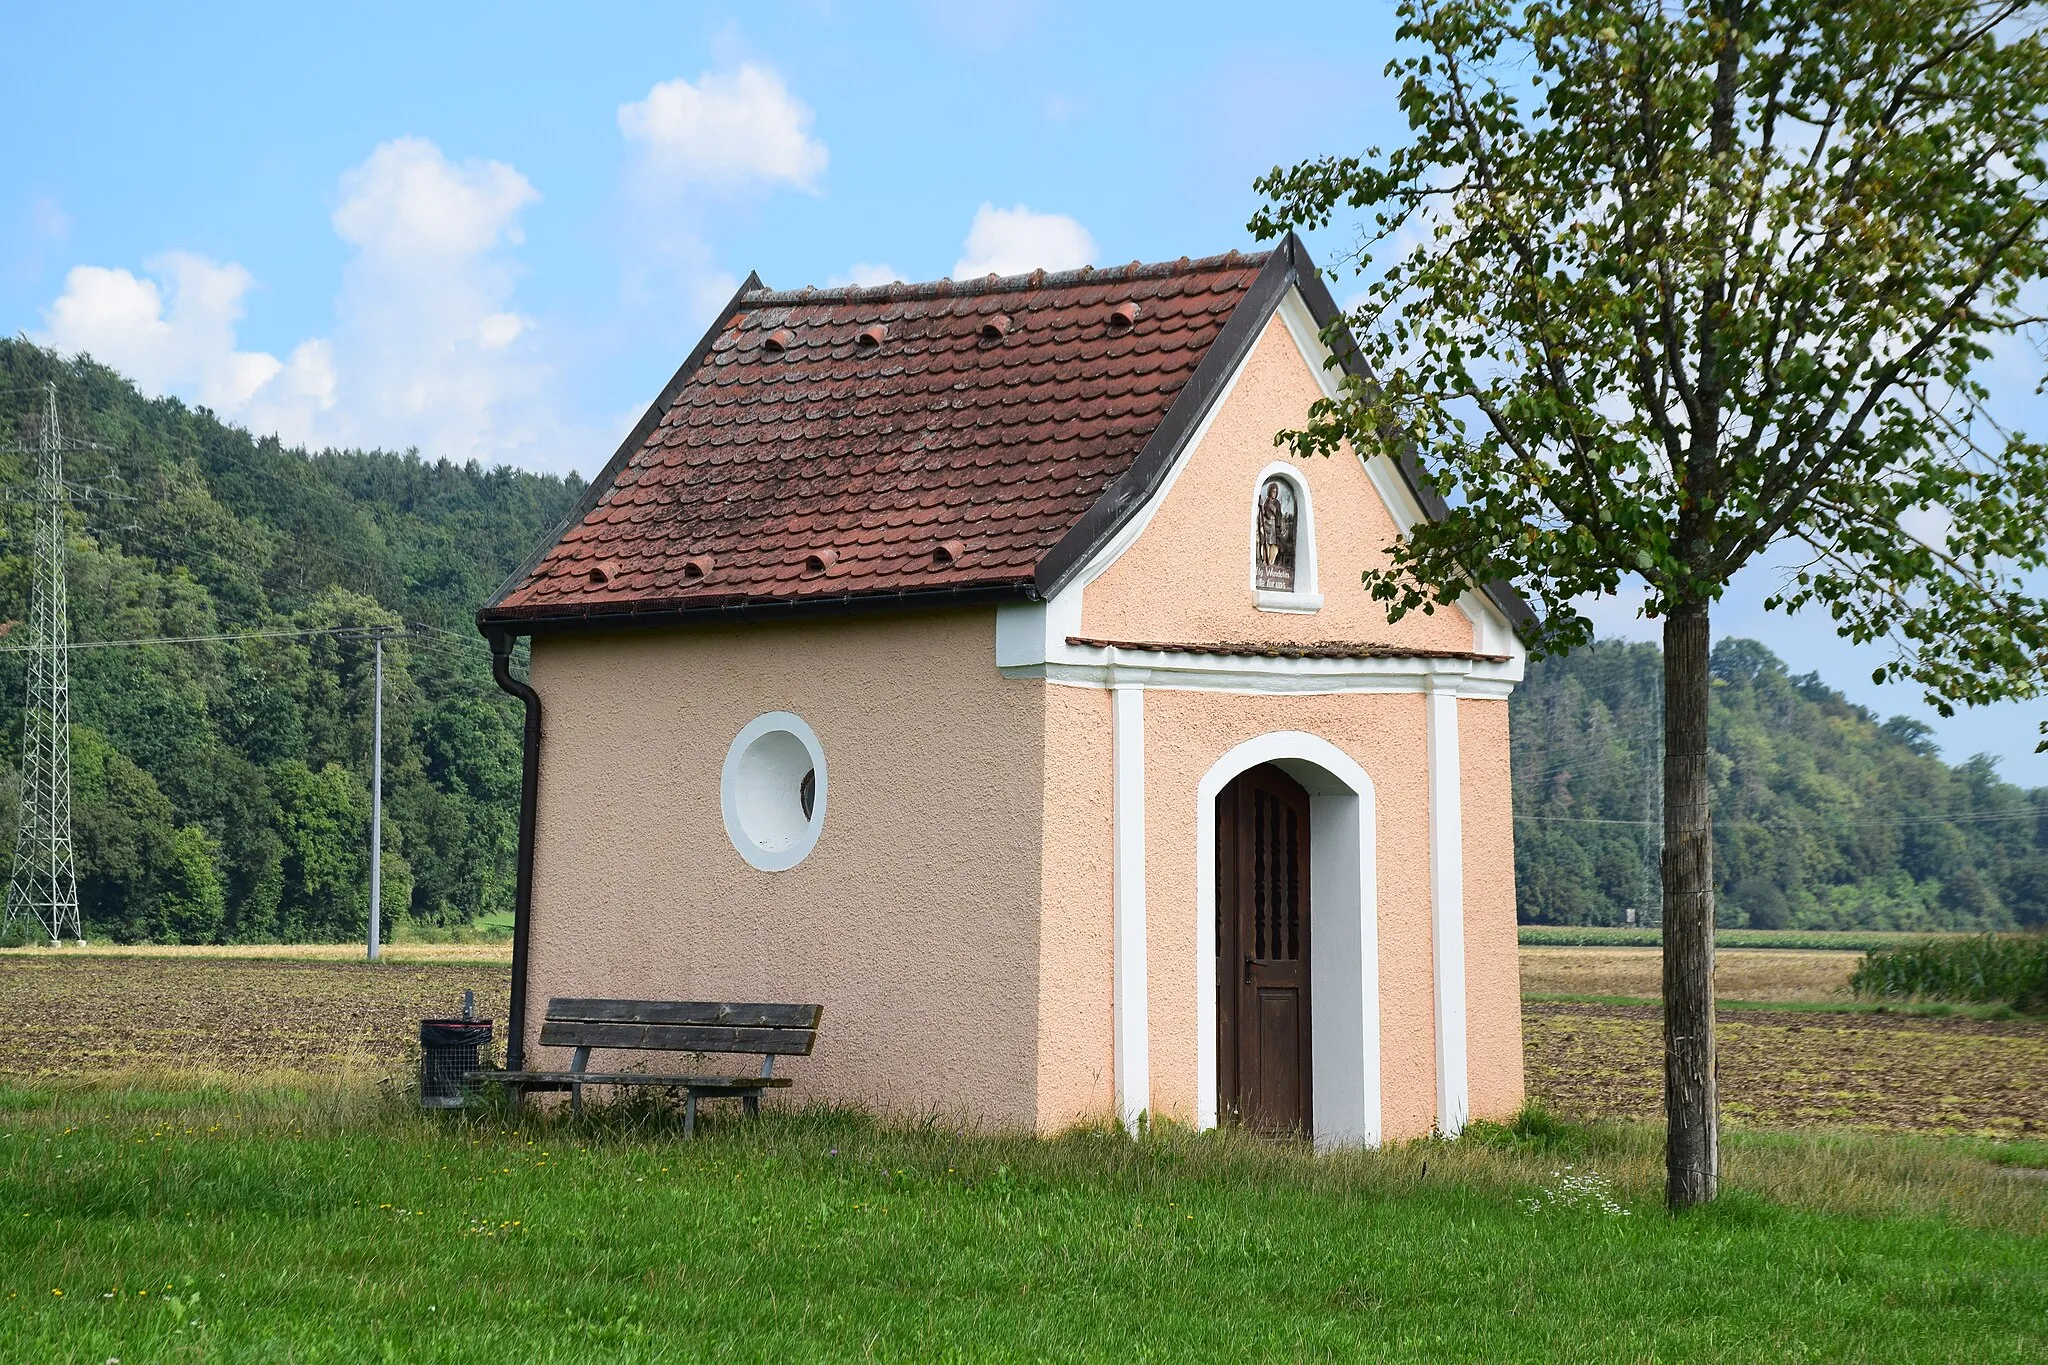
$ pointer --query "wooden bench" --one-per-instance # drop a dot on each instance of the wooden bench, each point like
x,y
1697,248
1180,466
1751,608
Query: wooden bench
x,y
701,1026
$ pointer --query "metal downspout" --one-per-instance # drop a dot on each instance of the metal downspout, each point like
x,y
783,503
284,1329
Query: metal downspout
x,y
522,892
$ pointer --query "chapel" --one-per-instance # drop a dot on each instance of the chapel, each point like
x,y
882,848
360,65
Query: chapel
x,y
968,658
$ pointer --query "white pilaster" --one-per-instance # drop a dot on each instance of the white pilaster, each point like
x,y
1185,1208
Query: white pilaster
x,y
1132,1040
1447,907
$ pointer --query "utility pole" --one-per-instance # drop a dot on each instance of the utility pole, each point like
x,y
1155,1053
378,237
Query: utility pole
x,y
377,806
44,883
1653,832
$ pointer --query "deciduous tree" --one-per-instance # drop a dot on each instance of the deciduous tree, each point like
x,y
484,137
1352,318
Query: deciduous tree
x,y
1672,284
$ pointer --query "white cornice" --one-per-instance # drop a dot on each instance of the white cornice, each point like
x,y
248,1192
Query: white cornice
x,y
1190,671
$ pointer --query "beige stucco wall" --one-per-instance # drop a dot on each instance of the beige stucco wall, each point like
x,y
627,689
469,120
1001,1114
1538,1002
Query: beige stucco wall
x,y
914,921
1076,1062
1187,578
1185,733
1493,976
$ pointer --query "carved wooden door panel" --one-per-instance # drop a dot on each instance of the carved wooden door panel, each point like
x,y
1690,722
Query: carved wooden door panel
x,y
1262,946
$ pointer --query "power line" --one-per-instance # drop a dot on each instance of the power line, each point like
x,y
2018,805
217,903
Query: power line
x,y
1632,739
1819,826
363,631
346,632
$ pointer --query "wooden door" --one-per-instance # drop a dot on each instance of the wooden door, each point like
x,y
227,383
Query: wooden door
x,y
1262,946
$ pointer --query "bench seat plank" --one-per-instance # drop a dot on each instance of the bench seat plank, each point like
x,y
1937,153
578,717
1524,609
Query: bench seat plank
x,y
787,1042
536,1079
570,1009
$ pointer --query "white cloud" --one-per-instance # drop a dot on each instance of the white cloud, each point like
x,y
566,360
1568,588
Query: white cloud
x,y
500,330
865,273
426,350
183,345
1016,241
409,200
1929,524
731,130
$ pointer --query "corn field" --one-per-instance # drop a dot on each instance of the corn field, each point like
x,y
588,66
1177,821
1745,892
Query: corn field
x,y
1988,969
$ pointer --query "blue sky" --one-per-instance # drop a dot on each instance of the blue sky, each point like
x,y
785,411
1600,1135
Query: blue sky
x,y
494,231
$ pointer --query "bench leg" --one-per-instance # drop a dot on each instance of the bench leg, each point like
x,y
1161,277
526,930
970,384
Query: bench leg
x,y
689,1115
753,1103
577,1062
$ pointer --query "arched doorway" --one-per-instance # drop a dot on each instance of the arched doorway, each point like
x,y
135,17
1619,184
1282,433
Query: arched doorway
x,y
1262,959
1341,894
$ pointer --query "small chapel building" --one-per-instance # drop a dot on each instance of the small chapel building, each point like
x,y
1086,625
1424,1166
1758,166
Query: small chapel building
x,y
966,658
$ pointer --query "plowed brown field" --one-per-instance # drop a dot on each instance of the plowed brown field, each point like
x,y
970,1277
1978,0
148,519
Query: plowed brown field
x,y
224,1017
1778,975
1795,1069
107,1016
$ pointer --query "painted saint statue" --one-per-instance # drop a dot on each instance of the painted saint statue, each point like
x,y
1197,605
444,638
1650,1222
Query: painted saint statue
x,y
1276,536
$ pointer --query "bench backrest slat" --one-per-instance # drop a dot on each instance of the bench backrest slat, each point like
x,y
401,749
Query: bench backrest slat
x,y
788,1042
566,1009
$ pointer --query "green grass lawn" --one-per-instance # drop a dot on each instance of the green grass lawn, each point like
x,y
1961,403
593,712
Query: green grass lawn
x,y
280,1226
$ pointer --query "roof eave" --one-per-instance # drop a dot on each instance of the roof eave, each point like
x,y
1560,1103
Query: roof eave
x,y
553,621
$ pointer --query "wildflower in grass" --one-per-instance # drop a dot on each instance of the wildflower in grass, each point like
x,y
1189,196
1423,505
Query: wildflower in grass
x,y
1588,1190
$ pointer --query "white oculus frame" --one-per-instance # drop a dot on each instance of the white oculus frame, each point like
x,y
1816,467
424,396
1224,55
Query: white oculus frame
x,y
761,791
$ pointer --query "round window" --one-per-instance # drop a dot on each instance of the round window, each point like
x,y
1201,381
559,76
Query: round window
x,y
773,791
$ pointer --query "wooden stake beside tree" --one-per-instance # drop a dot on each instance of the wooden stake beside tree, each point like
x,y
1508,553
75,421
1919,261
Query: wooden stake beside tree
x,y
1674,284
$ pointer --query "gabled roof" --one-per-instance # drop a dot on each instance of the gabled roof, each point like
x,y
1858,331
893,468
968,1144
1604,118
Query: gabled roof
x,y
831,449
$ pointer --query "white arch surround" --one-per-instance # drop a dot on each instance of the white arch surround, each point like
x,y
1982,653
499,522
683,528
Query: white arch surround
x,y
1306,596
1344,979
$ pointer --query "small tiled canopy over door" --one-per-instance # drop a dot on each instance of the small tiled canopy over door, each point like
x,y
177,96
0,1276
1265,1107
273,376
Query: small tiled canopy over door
x,y
1262,1010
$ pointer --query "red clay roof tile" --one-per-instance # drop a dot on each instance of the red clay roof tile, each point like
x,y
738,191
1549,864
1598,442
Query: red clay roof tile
x,y
880,451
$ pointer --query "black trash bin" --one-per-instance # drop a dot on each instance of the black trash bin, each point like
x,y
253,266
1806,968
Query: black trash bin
x,y
448,1048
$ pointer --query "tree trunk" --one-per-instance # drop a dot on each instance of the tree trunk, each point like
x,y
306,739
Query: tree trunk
x,y
1692,1138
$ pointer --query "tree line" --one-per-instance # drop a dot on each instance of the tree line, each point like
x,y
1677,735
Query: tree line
x,y
221,787
1825,815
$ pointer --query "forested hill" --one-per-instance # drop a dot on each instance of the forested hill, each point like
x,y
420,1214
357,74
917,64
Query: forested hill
x,y
1824,815
221,788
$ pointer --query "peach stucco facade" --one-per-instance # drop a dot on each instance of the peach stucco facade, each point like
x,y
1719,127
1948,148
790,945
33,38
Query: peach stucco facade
x,y
966,910
915,921
1188,576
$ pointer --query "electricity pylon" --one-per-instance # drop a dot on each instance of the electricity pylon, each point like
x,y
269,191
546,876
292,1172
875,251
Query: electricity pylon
x,y
44,884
